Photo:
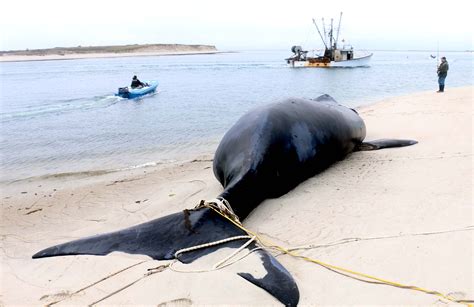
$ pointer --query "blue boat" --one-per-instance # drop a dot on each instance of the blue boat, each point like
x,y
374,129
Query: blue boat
x,y
129,93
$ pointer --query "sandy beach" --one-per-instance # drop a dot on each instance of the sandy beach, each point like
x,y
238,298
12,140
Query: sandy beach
x,y
74,53
26,58
51,57
404,215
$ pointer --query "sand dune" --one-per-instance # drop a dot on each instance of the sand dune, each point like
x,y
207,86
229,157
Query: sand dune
x,y
70,53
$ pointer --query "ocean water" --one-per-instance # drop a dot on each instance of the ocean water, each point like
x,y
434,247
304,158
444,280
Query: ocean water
x,y
62,117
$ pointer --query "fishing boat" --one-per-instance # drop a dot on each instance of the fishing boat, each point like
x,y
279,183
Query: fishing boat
x,y
129,93
333,56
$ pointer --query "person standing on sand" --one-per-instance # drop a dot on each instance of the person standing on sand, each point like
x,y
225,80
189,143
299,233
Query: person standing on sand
x,y
442,73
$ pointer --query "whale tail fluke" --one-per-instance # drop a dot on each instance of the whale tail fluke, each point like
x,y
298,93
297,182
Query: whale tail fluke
x,y
278,281
384,143
162,238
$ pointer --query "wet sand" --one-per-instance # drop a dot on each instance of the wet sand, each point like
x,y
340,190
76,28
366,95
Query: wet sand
x,y
399,214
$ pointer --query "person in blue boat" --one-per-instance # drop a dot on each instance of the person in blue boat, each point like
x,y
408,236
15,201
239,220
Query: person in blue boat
x,y
137,83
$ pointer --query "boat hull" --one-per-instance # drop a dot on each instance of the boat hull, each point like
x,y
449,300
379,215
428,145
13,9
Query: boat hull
x,y
356,62
138,92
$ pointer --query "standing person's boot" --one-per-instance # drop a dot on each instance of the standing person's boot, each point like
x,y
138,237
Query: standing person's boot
x,y
441,88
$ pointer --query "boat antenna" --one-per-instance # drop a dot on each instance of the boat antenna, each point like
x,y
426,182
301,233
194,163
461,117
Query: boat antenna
x,y
338,28
324,30
331,34
316,25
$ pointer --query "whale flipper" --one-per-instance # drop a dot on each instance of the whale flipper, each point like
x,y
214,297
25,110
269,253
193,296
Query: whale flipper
x,y
383,143
161,238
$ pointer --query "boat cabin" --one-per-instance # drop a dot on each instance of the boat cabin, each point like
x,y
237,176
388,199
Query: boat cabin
x,y
344,54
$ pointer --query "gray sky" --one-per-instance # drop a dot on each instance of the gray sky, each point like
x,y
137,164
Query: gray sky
x,y
234,25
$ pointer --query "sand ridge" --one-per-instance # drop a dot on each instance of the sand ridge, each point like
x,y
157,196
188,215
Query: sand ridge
x,y
72,53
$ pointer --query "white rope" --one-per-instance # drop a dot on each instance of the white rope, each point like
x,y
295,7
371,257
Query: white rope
x,y
210,244
223,261
220,264
220,205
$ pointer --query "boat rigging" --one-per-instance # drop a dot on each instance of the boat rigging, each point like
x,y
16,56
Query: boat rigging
x,y
333,56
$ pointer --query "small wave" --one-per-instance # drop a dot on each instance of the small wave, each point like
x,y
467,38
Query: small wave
x,y
89,173
144,165
79,174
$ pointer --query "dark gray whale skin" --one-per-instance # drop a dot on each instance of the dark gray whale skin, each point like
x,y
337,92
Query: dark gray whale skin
x,y
268,152
272,149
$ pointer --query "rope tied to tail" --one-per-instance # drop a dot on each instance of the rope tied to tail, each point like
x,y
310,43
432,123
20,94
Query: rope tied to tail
x,y
222,206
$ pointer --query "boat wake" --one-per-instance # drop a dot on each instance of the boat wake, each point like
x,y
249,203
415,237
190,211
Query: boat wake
x,y
59,107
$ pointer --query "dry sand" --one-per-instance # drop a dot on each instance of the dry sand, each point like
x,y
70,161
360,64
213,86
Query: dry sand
x,y
400,214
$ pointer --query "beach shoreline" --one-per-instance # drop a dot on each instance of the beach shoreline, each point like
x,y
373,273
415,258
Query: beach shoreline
x,y
408,211
93,52
31,58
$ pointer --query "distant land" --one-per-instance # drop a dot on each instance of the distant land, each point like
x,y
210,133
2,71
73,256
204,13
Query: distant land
x,y
79,52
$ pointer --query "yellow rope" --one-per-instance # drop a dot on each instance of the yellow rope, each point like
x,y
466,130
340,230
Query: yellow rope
x,y
340,269
220,205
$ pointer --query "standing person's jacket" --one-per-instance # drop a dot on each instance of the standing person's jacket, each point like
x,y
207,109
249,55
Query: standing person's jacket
x,y
443,69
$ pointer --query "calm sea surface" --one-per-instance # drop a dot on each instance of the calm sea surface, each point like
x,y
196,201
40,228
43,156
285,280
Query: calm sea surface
x,y
61,116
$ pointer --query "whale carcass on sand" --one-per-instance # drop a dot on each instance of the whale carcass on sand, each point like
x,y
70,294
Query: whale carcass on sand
x,y
268,152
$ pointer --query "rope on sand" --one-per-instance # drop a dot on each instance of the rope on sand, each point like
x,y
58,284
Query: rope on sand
x,y
222,207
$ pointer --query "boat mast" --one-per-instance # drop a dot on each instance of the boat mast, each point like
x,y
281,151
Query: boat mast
x,y
324,31
316,25
338,28
330,34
